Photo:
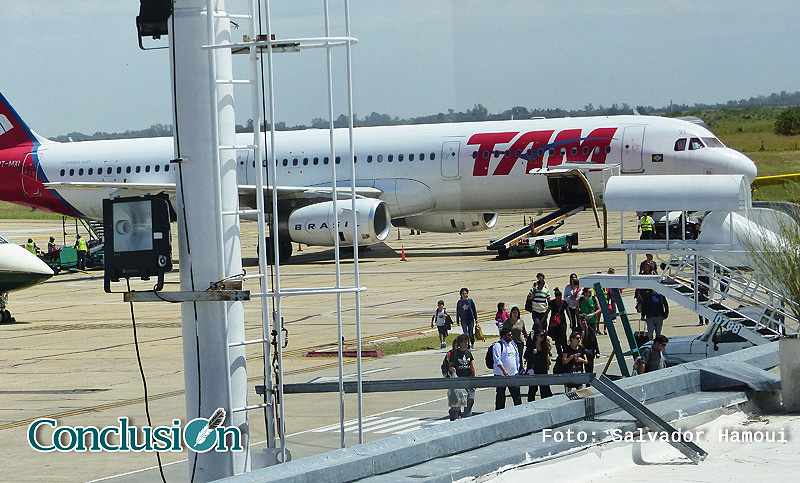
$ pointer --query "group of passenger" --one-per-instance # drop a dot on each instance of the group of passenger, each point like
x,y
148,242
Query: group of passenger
x,y
575,311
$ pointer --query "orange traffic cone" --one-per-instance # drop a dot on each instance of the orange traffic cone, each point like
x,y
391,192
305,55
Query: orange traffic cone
x,y
402,253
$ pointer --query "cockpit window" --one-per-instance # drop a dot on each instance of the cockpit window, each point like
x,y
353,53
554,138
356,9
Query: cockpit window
x,y
680,144
695,143
713,143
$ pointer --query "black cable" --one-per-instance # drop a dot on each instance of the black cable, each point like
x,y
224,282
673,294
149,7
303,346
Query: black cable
x,y
144,382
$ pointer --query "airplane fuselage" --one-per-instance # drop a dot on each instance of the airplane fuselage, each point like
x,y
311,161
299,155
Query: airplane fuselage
x,y
464,167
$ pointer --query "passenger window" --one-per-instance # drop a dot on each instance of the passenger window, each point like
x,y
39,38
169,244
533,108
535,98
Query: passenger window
x,y
90,172
72,172
80,172
608,149
146,169
422,155
369,158
389,158
355,159
680,144
433,156
285,162
119,169
695,143
485,156
294,161
380,158
128,169
62,172
157,167
399,157
138,169
338,159
166,167
108,170
305,161
411,156
316,161
325,160
574,150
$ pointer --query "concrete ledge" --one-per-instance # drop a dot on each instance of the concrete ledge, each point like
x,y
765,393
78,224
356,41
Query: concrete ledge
x,y
672,393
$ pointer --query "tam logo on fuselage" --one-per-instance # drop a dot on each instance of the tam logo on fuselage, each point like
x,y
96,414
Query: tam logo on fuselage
x,y
533,145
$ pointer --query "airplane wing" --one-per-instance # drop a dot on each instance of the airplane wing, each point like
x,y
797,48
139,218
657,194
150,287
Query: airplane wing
x,y
247,193
762,181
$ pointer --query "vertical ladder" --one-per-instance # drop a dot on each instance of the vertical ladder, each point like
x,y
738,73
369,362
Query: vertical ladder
x,y
608,317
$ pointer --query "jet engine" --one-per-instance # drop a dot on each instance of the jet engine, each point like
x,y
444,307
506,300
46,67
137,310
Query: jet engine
x,y
448,222
314,224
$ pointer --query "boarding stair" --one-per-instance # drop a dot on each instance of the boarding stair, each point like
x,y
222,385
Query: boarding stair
x,y
543,226
729,297
732,298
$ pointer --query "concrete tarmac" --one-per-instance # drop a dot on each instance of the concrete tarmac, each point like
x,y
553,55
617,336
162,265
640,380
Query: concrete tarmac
x,y
71,354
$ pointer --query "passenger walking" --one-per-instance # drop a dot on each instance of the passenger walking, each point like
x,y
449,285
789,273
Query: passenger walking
x,y
518,332
462,364
440,317
590,307
80,246
501,315
467,315
651,358
537,360
655,310
573,358
589,343
557,325
572,294
539,296
506,363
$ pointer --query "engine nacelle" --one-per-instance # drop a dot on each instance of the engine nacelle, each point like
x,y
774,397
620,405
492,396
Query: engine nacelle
x,y
314,224
448,222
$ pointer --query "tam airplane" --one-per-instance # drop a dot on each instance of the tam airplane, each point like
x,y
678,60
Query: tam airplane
x,y
437,177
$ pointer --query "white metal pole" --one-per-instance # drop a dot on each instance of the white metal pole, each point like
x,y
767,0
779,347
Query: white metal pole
x,y
356,271
215,376
337,260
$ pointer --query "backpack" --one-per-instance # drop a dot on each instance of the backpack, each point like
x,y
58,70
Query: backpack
x,y
446,364
490,356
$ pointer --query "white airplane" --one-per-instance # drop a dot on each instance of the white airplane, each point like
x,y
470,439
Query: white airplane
x,y
437,177
19,269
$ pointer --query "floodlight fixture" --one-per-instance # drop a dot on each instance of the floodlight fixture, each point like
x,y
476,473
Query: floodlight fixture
x,y
138,243
152,19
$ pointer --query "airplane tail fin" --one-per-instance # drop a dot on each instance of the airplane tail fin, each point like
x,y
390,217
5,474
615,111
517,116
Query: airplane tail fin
x,y
13,130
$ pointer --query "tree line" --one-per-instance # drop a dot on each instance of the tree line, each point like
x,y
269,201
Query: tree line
x,y
788,126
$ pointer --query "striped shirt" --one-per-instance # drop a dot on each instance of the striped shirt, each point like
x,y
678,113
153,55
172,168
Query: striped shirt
x,y
539,302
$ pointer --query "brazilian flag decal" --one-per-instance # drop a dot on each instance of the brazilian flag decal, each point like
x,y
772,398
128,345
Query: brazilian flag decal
x,y
657,158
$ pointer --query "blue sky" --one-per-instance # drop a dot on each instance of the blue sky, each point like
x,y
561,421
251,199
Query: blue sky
x,y
76,66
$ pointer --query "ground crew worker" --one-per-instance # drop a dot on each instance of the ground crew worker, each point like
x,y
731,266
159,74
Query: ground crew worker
x,y
51,245
31,247
645,226
80,245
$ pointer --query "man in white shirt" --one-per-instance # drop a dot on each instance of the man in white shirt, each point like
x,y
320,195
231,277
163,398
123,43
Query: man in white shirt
x,y
506,363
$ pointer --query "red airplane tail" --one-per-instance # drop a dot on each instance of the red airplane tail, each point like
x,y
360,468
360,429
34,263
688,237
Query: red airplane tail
x,y
13,130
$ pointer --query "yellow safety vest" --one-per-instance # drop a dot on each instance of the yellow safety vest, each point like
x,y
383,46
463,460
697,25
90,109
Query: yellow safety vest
x,y
31,248
82,245
647,223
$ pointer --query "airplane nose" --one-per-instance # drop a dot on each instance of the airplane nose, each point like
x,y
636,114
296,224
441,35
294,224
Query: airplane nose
x,y
741,164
